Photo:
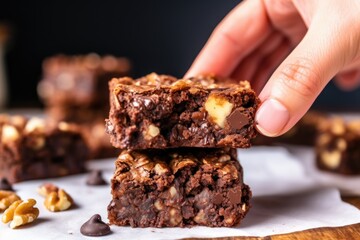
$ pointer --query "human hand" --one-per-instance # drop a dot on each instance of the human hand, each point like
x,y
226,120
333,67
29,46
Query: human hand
x,y
257,37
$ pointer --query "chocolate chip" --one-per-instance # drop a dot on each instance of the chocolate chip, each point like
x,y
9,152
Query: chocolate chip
x,y
217,198
95,227
235,195
95,178
5,185
237,119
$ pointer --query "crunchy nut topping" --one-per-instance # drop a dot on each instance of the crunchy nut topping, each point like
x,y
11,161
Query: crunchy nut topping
x,y
21,213
172,191
161,169
9,134
218,109
158,204
200,217
18,121
229,220
7,198
323,139
243,207
341,144
229,170
151,132
337,126
175,216
179,163
331,158
35,125
58,201
47,188
37,143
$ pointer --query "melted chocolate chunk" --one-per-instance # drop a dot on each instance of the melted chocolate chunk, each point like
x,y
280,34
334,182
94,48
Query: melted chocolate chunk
x,y
5,185
95,227
237,120
95,178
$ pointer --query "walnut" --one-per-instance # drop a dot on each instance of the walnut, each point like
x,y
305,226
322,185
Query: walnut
x,y
47,188
337,126
161,169
7,198
341,144
35,125
9,134
179,163
331,158
323,139
37,142
173,192
151,132
158,204
218,108
21,213
175,216
58,201
200,217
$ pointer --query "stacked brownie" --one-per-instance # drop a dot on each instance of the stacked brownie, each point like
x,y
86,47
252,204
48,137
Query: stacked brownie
x,y
178,166
75,89
34,149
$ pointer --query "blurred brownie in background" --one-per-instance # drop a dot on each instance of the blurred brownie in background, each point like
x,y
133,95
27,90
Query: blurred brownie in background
x,y
35,149
338,146
303,133
75,89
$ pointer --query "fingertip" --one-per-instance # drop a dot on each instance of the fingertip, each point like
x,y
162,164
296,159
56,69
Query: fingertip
x,y
271,118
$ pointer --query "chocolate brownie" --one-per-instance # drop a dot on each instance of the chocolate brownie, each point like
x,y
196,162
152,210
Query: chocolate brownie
x,y
75,89
338,146
303,133
79,80
178,188
34,149
160,111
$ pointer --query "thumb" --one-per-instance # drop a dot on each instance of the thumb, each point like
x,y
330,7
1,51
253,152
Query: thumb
x,y
297,82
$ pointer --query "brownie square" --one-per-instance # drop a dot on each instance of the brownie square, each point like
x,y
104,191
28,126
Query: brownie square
x,y
178,188
75,89
338,146
80,81
34,149
160,111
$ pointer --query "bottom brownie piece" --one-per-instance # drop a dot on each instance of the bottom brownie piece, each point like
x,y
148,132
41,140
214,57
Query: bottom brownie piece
x,y
178,188
34,149
338,146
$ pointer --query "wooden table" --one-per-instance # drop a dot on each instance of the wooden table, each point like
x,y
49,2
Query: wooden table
x,y
332,233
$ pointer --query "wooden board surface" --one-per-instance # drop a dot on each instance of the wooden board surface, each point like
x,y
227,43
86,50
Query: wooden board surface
x,y
349,232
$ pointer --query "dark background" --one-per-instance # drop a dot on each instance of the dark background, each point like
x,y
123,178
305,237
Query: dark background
x,y
157,35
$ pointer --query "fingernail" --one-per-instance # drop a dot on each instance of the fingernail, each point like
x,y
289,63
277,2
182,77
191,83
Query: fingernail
x,y
271,117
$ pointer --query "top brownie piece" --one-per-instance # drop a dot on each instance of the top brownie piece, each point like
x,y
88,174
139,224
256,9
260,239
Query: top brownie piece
x,y
79,81
160,111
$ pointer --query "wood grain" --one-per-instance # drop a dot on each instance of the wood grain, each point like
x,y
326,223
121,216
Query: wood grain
x,y
349,232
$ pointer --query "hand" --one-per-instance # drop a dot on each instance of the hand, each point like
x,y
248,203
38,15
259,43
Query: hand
x,y
306,42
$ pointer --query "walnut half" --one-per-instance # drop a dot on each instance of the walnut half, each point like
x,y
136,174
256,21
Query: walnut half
x,y
7,198
21,213
58,201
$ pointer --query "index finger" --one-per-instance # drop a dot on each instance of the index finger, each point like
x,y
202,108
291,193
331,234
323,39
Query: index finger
x,y
238,34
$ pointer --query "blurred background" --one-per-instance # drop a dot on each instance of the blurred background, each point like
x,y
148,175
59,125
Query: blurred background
x,y
157,36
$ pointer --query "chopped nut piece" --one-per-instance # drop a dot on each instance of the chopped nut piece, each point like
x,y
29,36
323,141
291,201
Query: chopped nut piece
x,y
331,158
35,125
218,109
7,198
21,213
9,134
175,216
151,132
58,201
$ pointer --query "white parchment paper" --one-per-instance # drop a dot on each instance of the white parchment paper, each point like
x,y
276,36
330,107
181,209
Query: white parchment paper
x,y
286,198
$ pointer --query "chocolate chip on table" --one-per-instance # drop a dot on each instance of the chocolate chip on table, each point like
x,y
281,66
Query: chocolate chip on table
x,y
95,178
95,227
5,185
